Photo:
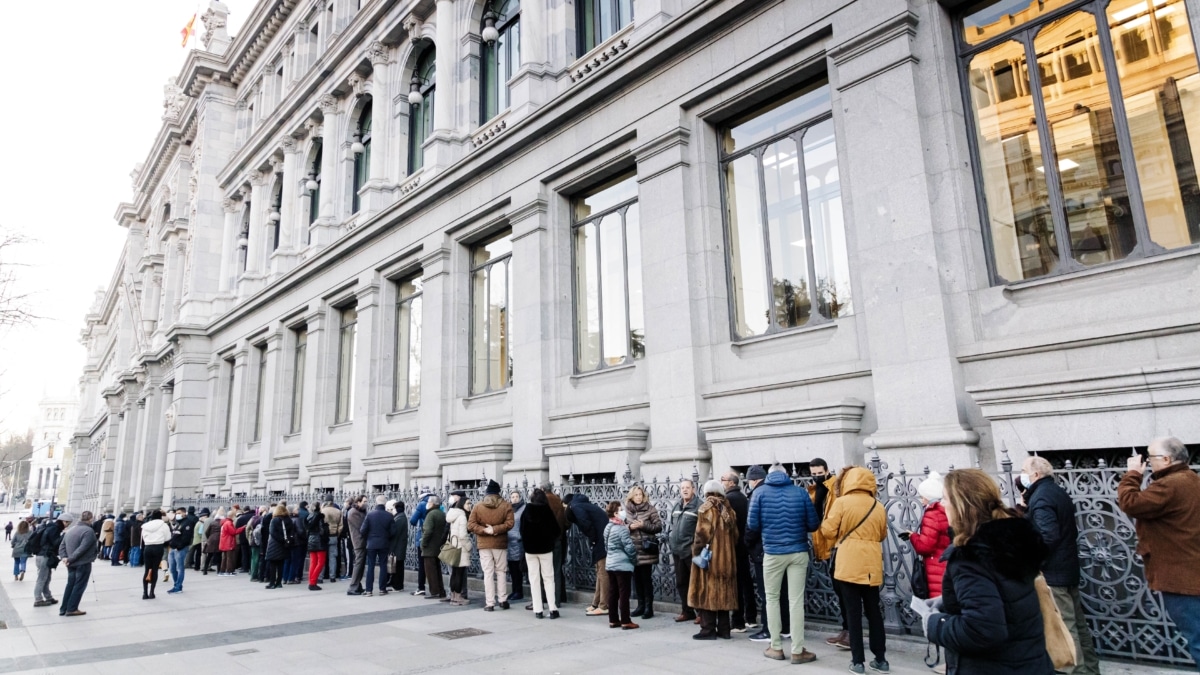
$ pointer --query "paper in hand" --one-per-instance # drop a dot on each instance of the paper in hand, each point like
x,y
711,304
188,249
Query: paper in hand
x,y
921,608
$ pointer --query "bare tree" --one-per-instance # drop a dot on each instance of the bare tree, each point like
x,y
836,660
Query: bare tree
x,y
15,303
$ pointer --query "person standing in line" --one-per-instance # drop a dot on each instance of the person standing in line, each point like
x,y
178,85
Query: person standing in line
x,y
45,543
989,619
458,526
355,515
1052,513
135,539
253,536
212,542
417,522
822,491
433,534
243,540
644,525
540,533
298,553
78,550
229,545
333,520
1168,530
264,568
490,523
592,521
318,546
155,535
120,540
560,549
516,551
196,551
713,589
620,558
857,526
280,539
683,530
182,534
755,476
107,528
376,530
783,514
746,612
20,554
398,548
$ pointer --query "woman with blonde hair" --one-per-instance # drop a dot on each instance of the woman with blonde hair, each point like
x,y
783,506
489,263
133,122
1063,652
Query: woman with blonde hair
x,y
644,525
989,619
713,588
282,530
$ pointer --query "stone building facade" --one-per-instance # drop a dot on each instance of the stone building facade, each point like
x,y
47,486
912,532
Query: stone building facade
x,y
50,462
387,242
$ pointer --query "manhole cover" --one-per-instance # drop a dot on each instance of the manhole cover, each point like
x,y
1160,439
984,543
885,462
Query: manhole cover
x,y
460,633
243,652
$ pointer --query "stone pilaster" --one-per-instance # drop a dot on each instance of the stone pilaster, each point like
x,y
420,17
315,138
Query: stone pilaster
x,y
325,229
190,397
437,372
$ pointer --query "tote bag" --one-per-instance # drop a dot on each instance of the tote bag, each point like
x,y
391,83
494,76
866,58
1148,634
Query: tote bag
x,y
1059,642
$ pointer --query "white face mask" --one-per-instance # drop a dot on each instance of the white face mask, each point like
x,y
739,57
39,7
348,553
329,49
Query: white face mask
x,y
1026,480
178,517
621,514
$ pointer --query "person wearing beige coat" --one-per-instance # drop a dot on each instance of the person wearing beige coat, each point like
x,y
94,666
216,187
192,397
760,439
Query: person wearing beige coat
x,y
856,526
456,521
490,522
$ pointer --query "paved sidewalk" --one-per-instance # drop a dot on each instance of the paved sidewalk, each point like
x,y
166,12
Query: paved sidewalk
x,y
229,625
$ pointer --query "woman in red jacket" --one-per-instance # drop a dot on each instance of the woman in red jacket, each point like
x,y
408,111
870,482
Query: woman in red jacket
x,y
229,545
932,538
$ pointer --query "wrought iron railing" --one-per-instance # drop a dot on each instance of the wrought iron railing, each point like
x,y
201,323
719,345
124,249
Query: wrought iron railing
x,y
1127,618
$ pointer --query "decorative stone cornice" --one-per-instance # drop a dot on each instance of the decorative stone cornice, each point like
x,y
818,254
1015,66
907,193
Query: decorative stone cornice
x,y
601,56
411,184
488,132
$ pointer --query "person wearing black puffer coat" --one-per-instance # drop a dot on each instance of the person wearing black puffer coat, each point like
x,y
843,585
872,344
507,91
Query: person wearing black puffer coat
x,y
990,621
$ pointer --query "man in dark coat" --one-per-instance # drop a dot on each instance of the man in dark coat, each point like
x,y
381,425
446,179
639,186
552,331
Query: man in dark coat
x,y
1050,509
433,535
591,521
1168,530
182,531
747,609
683,531
264,541
417,521
377,529
398,550
120,540
243,540
78,549
355,515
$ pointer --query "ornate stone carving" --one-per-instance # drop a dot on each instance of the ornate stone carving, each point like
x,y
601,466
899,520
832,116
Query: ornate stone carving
x,y
328,104
359,85
377,52
170,416
173,101
313,128
600,60
214,19
412,26
231,205
288,144
258,178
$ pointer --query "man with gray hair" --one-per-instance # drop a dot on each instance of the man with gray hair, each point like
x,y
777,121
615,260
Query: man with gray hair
x,y
683,531
1052,514
78,550
1168,529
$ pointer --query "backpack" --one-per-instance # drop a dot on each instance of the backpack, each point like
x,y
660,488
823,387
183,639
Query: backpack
x,y
33,545
256,536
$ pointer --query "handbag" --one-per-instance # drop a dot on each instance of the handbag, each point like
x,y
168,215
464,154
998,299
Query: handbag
x,y
703,559
1059,643
920,582
650,545
450,554
833,553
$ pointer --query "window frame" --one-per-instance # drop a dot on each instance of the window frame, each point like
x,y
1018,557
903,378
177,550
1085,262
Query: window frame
x,y
260,392
299,361
796,133
428,89
492,52
592,8
473,268
1024,34
402,365
362,161
230,390
343,408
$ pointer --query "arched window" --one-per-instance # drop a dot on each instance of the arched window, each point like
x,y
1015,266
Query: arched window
x,y
362,160
313,183
599,20
420,118
501,56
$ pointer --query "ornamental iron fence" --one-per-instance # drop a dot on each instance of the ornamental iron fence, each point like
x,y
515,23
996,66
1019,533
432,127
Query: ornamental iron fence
x,y
1127,619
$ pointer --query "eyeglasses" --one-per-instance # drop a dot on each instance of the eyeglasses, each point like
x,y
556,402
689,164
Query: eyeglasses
x,y
1153,456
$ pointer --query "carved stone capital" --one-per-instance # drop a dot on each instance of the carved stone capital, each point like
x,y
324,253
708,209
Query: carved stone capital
x,y
377,52
258,178
328,104
288,144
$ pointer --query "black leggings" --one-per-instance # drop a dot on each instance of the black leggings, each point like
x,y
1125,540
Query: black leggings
x,y
858,599
643,583
152,557
458,580
275,572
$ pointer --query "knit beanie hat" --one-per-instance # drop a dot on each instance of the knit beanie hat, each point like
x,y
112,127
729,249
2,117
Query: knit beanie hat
x,y
756,472
493,488
931,488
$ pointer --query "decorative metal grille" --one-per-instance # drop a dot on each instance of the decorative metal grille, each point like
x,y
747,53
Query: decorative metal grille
x,y
1127,619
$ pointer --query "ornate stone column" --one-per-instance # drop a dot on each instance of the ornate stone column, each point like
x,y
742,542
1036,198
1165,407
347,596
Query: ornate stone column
x,y
229,250
377,193
256,250
284,257
166,426
325,229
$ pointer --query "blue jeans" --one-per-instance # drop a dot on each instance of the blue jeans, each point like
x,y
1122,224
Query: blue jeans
x,y
19,566
376,556
177,563
1185,612
77,579
331,560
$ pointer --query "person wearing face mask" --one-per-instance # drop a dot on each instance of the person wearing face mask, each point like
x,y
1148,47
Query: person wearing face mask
x,y
182,531
1050,509
822,493
620,558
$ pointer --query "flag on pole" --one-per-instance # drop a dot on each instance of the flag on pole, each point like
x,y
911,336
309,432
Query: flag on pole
x,y
188,31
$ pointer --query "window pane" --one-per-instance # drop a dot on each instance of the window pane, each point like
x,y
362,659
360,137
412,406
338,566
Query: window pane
x,y
825,219
229,401
747,247
497,349
1156,63
608,196
612,279
346,352
491,95
587,285
1095,197
508,323
414,353
777,117
403,325
298,381
788,244
633,248
491,250
1010,158
1004,15
260,394
479,335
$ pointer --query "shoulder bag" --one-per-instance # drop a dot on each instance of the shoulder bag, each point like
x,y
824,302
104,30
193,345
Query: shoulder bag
x,y
1059,642
704,558
833,553
451,554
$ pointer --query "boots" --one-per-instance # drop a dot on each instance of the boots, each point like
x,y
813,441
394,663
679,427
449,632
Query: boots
x,y
841,640
458,599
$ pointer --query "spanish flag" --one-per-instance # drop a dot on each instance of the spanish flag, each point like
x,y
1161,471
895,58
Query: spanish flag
x,y
188,31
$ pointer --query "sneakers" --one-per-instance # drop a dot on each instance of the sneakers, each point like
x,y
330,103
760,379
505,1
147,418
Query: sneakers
x,y
857,668
739,629
786,636
879,666
554,614
175,590
804,656
42,603
419,591
538,615
489,608
367,594
776,654
761,636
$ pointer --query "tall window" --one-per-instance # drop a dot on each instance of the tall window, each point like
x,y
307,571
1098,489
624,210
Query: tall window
x,y
491,332
229,391
362,160
347,348
1090,157
275,220
420,117
598,20
783,211
314,175
502,58
407,384
298,360
244,237
609,329
260,391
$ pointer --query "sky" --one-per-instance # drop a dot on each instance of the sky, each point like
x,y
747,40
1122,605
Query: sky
x,y
80,104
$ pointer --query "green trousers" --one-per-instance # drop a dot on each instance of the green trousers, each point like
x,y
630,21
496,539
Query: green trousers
x,y
795,566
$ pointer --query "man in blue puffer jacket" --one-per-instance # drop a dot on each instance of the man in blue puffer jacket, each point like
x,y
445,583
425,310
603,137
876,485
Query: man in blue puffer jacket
x,y
784,515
